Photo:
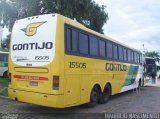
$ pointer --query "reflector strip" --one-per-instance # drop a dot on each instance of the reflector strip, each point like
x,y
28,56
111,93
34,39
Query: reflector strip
x,y
30,77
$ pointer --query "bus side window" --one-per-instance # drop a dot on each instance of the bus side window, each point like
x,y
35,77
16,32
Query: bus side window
x,y
129,55
135,57
120,52
109,48
68,41
83,43
125,54
72,40
115,52
102,50
93,46
132,57
140,58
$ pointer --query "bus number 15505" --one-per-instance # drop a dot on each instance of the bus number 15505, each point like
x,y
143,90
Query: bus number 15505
x,y
77,65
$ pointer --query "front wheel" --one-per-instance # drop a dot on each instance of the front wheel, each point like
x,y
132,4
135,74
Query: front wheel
x,y
94,97
139,84
105,94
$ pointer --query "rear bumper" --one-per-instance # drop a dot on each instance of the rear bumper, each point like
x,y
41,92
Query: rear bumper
x,y
37,98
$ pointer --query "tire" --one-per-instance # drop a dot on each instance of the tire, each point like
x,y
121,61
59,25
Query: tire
x,y
5,74
142,82
105,95
94,97
139,84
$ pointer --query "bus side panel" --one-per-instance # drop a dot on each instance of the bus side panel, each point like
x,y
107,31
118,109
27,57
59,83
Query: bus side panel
x,y
82,79
72,91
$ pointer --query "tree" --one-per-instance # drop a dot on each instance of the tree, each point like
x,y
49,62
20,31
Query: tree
x,y
153,54
86,12
6,43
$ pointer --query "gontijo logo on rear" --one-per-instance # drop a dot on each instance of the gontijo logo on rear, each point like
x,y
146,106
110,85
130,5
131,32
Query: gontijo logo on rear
x,y
31,29
33,41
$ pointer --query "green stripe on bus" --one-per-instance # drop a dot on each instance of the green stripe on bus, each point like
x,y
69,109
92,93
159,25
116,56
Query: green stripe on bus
x,y
3,64
131,75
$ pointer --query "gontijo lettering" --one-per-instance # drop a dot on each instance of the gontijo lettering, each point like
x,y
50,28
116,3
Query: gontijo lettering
x,y
31,46
115,67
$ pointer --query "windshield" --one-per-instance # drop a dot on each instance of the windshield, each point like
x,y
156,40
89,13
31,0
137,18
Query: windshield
x,y
33,40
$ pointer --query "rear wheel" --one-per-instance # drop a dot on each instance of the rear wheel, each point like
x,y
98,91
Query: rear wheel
x,y
94,97
105,95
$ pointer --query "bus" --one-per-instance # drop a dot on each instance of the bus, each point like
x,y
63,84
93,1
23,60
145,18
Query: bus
x,y
150,69
57,62
158,69
3,64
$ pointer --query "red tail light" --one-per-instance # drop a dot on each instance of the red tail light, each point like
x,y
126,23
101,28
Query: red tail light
x,y
55,82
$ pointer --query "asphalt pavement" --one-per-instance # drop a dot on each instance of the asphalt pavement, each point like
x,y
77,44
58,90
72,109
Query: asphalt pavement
x,y
147,100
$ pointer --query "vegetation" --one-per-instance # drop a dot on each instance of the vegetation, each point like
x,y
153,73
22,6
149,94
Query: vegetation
x,y
153,54
86,12
6,43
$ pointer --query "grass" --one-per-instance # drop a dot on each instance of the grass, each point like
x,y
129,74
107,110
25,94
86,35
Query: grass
x,y
4,86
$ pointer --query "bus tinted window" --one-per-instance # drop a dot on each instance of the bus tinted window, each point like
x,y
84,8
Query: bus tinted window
x,y
120,52
140,59
129,55
132,56
83,43
102,48
4,57
74,41
71,40
125,54
68,39
135,57
109,50
138,56
93,43
115,52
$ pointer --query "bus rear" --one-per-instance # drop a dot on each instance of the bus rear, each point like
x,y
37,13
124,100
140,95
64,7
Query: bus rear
x,y
33,77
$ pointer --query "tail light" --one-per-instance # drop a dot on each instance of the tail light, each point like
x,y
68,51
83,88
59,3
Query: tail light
x,y
55,82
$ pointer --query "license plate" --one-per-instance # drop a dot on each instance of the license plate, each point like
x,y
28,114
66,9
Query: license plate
x,y
33,83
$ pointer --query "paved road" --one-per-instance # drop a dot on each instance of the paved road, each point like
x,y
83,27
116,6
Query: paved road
x,y
146,101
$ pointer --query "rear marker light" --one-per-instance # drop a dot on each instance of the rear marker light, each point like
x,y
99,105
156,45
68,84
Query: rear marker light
x,y
55,82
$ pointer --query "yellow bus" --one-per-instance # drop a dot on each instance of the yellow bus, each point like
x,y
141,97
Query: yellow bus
x,y
57,62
